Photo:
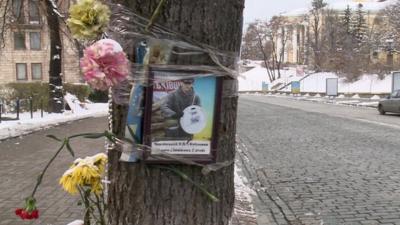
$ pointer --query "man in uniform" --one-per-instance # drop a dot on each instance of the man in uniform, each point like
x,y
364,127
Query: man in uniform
x,y
175,103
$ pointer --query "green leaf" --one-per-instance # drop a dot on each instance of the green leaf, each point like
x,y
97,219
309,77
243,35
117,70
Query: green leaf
x,y
70,148
94,135
110,136
53,137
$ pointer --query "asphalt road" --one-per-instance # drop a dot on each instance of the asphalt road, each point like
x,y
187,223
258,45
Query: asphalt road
x,y
314,163
22,159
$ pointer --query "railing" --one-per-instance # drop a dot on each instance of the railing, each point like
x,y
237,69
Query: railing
x,y
16,106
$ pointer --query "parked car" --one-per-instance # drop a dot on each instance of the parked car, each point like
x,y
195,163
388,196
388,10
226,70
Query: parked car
x,y
390,104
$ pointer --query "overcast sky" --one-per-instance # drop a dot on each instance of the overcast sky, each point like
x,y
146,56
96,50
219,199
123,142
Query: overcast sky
x,y
264,9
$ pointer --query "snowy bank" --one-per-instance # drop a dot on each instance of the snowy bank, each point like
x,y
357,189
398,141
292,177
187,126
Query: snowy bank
x,y
26,125
253,79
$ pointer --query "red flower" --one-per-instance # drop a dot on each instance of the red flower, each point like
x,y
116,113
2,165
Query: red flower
x,y
18,211
35,214
26,215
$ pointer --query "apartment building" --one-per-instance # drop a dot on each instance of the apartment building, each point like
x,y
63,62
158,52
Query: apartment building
x,y
25,54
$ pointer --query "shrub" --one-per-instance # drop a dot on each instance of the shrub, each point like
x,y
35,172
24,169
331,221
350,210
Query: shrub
x,y
98,96
39,91
81,91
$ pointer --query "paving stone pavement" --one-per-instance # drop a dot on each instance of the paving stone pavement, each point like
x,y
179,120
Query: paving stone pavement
x,y
310,168
21,160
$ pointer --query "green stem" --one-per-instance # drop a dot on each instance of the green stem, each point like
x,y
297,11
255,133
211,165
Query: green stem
x,y
83,194
185,177
102,220
92,212
155,15
104,202
40,178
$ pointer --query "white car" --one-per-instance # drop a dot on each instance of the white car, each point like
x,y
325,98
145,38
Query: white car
x,y
390,104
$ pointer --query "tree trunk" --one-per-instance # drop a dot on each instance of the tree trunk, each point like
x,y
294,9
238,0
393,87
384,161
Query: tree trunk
x,y
140,194
55,81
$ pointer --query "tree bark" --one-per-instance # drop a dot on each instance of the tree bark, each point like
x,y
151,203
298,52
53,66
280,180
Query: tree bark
x,y
55,81
140,194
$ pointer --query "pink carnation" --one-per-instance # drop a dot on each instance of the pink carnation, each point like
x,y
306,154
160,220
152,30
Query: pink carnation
x,y
104,64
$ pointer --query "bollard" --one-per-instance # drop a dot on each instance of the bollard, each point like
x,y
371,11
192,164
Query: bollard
x,y
31,106
41,108
17,108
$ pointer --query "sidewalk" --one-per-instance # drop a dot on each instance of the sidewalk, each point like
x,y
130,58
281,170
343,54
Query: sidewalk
x,y
23,158
244,212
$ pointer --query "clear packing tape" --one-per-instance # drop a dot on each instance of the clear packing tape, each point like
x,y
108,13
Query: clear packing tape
x,y
166,49
158,56
131,151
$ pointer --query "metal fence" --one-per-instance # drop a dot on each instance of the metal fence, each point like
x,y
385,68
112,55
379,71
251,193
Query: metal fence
x,y
16,106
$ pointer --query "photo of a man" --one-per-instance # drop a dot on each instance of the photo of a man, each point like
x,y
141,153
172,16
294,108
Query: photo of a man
x,y
175,102
181,116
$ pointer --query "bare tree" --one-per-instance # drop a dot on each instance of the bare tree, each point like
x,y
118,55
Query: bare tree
x,y
55,80
252,48
391,39
316,24
279,33
267,41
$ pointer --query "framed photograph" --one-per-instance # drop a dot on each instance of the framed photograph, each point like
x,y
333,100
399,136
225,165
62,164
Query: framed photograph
x,y
181,115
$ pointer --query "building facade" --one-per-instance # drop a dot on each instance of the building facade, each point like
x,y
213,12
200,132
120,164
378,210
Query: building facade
x,y
297,29
25,50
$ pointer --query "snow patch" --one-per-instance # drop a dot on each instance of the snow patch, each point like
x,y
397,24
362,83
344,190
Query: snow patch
x,y
244,209
368,104
253,79
371,6
375,97
26,125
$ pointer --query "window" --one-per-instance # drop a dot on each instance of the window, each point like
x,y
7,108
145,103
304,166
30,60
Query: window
x,y
394,94
17,10
36,69
34,15
19,41
35,41
397,94
21,71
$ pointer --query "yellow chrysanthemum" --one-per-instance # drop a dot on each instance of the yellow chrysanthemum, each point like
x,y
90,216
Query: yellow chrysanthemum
x,y
85,172
100,160
88,19
67,182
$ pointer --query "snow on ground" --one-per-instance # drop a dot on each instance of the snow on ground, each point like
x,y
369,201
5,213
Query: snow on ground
x,y
252,81
368,104
14,128
244,212
369,5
